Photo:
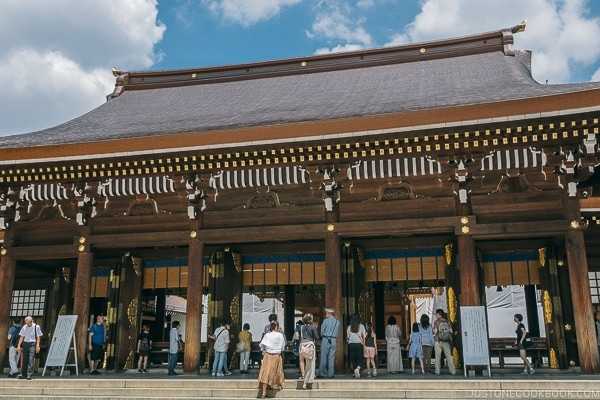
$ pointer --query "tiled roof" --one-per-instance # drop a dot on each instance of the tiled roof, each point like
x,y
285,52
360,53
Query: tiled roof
x,y
435,75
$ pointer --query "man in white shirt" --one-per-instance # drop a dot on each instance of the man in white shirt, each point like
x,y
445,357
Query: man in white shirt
x,y
29,341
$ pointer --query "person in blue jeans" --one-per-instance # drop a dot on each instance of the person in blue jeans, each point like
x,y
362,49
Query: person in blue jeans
x,y
173,347
221,338
329,332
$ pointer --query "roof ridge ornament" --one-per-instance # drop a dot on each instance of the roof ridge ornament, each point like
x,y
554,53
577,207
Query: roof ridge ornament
x,y
507,37
519,28
121,81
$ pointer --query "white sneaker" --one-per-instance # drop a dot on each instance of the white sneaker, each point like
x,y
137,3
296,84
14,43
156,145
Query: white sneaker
x,y
357,373
531,371
374,371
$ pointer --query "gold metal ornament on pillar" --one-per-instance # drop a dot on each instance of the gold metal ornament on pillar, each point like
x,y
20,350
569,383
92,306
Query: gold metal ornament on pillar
x,y
542,256
552,358
234,310
132,312
451,304
547,306
448,254
129,362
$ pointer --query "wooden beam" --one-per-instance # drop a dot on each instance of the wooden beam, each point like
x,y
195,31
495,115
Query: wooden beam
x,y
43,252
394,227
514,230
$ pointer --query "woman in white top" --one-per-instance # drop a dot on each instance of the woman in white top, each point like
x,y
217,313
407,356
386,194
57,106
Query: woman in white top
x,y
394,353
271,370
354,335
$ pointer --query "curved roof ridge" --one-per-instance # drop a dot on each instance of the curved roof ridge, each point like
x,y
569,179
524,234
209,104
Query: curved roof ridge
x,y
453,47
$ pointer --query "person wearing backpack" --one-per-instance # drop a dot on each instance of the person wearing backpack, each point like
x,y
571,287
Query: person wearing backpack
x,y
143,349
13,341
442,334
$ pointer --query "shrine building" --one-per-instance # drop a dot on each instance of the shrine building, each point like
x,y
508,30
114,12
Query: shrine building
x,y
358,181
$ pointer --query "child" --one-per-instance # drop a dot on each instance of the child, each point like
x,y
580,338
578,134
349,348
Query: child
x,y
370,350
415,348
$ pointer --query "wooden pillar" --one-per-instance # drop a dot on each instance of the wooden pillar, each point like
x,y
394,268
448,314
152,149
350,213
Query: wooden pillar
x,y
7,280
81,304
582,303
128,312
533,322
553,315
193,323
333,289
60,301
466,259
289,302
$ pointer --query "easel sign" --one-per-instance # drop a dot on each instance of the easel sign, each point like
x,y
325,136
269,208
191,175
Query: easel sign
x,y
474,337
63,340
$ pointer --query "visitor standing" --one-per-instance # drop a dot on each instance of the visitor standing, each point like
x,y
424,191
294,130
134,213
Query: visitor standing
x,y
143,349
173,348
29,341
329,332
392,339
427,341
355,336
13,342
521,334
442,334
96,343
271,370
308,336
244,349
221,338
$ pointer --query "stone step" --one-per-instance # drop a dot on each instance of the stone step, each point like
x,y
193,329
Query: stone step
x,y
148,388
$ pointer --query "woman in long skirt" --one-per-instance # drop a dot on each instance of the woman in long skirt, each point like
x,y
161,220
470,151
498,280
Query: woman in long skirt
x,y
271,370
394,353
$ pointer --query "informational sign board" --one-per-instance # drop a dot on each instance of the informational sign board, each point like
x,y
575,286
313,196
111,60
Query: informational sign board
x,y
63,340
474,337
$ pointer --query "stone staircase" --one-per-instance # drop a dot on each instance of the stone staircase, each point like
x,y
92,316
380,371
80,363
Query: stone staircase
x,y
155,386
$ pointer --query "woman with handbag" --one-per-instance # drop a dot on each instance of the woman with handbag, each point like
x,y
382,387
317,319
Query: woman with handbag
x,y
521,343
308,336
243,347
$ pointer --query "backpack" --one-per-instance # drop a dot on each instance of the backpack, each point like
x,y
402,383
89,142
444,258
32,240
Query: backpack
x,y
444,334
14,338
144,344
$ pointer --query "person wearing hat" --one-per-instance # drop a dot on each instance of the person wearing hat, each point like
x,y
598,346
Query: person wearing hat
x,y
329,332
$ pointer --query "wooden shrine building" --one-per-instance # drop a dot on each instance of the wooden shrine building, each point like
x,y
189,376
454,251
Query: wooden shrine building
x,y
348,180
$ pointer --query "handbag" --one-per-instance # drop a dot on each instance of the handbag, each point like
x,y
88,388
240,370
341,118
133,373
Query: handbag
x,y
307,347
527,342
240,346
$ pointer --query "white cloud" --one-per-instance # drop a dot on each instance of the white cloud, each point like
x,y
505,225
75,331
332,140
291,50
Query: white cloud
x,y
596,75
246,12
335,22
55,57
339,49
559,33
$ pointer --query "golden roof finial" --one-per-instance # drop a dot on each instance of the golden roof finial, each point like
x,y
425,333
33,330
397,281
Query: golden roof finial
x,y
115,72
520,27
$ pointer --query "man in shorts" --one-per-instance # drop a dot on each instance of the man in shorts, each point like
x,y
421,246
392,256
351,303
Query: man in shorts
x,y
96,343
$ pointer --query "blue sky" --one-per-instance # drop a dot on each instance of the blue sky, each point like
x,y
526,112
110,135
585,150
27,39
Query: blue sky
x,y
56,55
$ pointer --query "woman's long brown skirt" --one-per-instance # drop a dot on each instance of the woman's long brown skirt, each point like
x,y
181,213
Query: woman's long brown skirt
x,y
271,371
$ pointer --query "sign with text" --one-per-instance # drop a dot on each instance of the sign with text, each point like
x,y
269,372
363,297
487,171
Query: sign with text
x,y
62,341
474,336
